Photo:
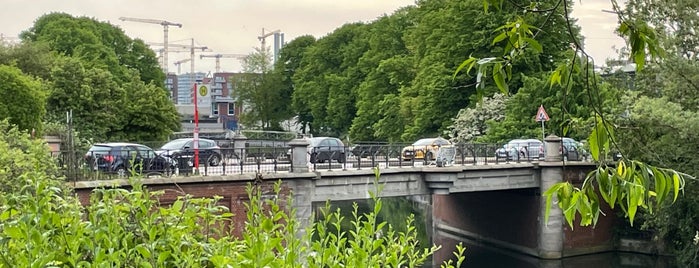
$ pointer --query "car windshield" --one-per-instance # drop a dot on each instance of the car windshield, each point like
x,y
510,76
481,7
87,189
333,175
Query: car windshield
x,y
174,145
97,149
423,142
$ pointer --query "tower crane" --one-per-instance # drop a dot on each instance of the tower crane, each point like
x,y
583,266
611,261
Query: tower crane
x,y
175,50
166,25
219,56
191,48
264,36
177,63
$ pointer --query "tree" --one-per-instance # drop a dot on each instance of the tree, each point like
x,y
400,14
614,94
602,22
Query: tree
x,y
290,58
96,101
326,80
99,44
92,69
22,99
388,69
261,92
471,123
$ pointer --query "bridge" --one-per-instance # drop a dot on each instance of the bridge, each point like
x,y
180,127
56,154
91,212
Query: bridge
x,y
496,204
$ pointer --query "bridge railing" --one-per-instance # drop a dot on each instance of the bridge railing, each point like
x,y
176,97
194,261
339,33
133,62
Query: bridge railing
x,y
274,159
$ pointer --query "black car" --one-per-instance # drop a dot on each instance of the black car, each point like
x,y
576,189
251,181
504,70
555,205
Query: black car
x,y
121,158
321,149
209,151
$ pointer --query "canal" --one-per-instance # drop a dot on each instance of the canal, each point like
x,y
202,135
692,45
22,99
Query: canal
x,y
396,210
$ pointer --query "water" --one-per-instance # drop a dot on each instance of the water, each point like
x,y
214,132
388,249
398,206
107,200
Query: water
x,y
480,256
396,210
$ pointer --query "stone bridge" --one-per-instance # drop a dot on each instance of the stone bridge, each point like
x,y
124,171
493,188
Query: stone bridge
x,y
497,205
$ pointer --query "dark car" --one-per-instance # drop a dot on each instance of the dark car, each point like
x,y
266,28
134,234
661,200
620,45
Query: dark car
x,y
121,158
209,151
321,149
572,150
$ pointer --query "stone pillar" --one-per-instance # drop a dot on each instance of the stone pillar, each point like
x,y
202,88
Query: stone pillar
x,y
551,232
299,155
239,141
302,191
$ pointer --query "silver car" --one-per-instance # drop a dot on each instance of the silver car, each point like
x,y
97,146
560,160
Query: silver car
x,y
521,149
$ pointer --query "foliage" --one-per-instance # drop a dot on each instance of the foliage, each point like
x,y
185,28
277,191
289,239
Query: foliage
x,y
630,184
470,123
21,154
42,224
261,93
22,99
111,83
392,79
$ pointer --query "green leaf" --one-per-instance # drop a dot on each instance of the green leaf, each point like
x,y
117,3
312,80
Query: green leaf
x,y
143,251
468,62
549,195
499,78
675,185
500,37
534,44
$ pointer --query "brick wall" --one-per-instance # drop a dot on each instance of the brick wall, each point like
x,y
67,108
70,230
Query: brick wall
x,y
233,195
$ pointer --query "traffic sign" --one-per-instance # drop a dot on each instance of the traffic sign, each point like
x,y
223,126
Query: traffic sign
x,y
541,115
203,91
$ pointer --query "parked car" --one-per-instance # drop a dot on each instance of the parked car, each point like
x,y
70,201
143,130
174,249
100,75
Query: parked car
x,y
321,149
209,151
519,149
572,150
426,149
121,158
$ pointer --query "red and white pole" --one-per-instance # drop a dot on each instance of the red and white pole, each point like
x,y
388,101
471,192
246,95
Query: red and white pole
x,y
196,131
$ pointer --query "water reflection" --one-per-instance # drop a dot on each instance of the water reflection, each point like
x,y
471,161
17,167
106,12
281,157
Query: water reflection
x,y
396,209
481,256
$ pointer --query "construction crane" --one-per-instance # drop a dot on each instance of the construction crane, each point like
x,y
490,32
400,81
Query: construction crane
x,y
191,48
219,56
264,36
166,25
175,50
177,63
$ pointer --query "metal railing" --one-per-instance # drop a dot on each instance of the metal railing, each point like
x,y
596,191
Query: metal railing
x,y
275,159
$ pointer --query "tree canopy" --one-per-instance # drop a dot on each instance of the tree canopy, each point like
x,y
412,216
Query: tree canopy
x,y
111,83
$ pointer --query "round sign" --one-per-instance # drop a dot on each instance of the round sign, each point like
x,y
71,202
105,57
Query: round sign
x,y
203,90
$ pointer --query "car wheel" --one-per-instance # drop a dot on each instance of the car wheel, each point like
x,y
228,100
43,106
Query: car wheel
x,y
314,157
214,160
341,159
121,172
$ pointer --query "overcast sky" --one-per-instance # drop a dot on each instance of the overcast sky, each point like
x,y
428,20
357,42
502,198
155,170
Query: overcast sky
x,y
232,26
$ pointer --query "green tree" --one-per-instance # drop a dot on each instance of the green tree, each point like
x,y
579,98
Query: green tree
x,y
285,67
22,99
260,91
387,69
96,101
95,75
99,44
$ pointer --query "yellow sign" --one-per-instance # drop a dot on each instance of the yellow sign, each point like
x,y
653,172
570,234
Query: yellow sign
x,y
203,90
